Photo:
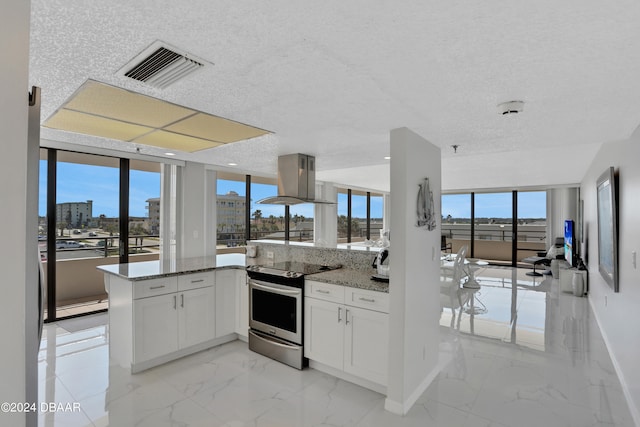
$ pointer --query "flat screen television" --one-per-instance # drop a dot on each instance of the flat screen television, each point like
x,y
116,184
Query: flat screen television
x,y
569,243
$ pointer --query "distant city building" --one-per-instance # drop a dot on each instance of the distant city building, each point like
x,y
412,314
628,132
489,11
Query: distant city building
x,y
153,208
230,210
75,214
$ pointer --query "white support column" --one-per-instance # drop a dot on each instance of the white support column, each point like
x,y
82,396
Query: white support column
x,y
414,288
210,213
325,224
170,177
196,203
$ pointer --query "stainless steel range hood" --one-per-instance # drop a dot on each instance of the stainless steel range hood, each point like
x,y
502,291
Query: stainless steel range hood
x,y
296,181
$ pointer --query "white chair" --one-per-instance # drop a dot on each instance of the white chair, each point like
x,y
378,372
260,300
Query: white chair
x,y
452,295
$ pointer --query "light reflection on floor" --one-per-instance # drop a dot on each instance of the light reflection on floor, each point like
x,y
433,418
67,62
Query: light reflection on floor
x,y
498,310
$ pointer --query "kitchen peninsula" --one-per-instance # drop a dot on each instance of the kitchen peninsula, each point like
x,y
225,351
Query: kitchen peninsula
x,y
160,311
163,310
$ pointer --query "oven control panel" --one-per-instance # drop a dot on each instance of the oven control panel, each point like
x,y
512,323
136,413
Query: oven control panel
x,y
274,271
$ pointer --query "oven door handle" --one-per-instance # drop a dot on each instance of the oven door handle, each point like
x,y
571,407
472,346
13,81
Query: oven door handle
x,y
273,342
274,289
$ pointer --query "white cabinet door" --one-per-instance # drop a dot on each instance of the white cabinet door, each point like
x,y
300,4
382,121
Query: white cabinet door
x,y
196,317
324,332
155,322
225,307
242,292
366,344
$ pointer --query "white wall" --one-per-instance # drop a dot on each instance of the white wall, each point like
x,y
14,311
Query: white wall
x,y
414,273
618,314
561,205
14,86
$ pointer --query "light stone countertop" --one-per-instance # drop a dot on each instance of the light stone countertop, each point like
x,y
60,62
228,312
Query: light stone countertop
x,y
155,269
351,278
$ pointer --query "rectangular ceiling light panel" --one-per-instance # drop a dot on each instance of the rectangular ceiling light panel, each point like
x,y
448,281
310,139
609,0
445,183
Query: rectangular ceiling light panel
x,y
106,111
216,128
120,104
170,140
74,121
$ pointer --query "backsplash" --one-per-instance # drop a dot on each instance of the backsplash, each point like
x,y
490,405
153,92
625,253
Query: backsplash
x,y
353,259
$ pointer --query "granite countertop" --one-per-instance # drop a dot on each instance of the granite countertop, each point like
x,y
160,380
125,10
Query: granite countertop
x,y
345,246
351,278
154,269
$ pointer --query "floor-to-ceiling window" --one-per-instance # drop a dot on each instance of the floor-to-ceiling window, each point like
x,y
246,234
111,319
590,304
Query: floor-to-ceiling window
x,y
231,206
82,198
344,216
493,226
456,221
144,209
376,215
360,215
301,222
532,223
485,222
267,221
87,207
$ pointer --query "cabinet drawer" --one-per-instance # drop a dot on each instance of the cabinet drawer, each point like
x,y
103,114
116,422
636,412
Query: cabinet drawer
x,y
371,300
324,291
196,280
153,287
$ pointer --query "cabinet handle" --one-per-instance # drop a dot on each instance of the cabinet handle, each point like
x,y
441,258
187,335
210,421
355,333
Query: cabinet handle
x,y
197,281
156,287
339,314
322,291
182,300
175,302
346,316
367,299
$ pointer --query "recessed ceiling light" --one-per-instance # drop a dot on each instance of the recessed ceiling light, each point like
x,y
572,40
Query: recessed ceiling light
x,y
387,157
169,154
232,164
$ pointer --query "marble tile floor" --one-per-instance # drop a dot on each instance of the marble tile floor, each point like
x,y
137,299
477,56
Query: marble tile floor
x,y
547,366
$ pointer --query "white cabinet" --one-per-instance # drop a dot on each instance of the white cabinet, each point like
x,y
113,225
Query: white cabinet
x,y
172,314
341,334
366,344
225,302
242,295
167,323
324,332
155,327
196,319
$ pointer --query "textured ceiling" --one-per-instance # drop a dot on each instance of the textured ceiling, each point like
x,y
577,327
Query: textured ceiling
x,y
332,78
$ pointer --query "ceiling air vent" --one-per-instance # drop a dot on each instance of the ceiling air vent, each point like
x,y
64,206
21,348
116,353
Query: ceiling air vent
x,y
160,66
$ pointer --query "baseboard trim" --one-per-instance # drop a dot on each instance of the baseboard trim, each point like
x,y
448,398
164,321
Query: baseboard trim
x,y
635,411
401,408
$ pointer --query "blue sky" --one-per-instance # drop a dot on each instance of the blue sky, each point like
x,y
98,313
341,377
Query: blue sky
x,y
531,204
79,183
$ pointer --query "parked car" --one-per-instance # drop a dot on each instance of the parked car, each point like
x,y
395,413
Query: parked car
x,y
68,244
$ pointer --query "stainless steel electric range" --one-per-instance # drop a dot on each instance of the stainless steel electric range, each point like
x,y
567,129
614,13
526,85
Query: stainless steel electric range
x,y
276,310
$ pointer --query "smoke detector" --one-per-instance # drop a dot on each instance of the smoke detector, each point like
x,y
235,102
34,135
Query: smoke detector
x,y
511,107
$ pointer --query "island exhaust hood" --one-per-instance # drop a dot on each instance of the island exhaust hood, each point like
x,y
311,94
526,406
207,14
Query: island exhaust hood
x,y
296,181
